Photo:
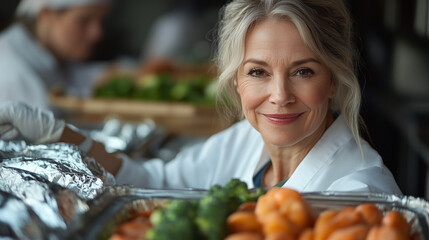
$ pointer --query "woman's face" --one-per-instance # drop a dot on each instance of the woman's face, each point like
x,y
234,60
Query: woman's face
x,y
72,33
284,88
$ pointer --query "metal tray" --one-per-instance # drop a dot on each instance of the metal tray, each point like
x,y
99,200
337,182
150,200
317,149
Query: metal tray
x,y
115,205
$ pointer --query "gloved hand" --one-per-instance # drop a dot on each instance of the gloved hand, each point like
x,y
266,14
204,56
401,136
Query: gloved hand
x,y
33,124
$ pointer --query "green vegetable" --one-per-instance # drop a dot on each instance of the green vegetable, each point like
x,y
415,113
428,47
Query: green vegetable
x,y
213,211
118,86
154,87
176,221
180,91
199,89
218,204
203,219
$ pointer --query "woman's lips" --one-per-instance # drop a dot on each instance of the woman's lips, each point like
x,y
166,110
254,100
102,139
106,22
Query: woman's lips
x,y
282,119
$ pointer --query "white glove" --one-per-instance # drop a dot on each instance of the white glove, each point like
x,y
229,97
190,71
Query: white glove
x,y
33,124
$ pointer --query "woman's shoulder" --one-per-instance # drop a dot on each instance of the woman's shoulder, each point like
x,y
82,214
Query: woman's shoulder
x,y
337,163
361,165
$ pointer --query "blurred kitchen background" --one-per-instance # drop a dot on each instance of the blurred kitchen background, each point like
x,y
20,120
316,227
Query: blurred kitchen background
x,y
392,38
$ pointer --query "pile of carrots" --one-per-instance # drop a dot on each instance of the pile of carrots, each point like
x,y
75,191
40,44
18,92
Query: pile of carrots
x,y
283,214
135,228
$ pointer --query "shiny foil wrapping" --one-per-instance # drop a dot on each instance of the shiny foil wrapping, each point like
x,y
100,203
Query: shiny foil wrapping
x,y
12,146
53,181
18,220
54,205
60,163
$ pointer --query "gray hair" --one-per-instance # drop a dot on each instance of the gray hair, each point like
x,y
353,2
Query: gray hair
x,y
325,27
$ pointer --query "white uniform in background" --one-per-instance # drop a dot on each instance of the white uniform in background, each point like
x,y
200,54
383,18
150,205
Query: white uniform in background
x,y
334,164
27,70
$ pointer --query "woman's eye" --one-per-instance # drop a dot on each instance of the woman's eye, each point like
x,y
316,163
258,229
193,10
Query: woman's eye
x,y
257,72
304,72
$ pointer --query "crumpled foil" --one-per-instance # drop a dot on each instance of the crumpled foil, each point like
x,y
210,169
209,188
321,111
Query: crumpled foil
x,y
17,220
54,205
60,163
12,146
54,181
123,136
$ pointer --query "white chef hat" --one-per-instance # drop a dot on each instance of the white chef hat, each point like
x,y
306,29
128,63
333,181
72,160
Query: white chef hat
x,y
30,8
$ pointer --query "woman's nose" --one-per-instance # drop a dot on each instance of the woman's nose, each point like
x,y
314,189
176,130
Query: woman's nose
x,y
281,92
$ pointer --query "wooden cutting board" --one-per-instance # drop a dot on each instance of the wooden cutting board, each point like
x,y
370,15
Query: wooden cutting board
x,y
178,118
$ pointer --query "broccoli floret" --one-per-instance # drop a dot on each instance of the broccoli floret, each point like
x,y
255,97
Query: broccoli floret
x,y
181,229
205,219
236,188
212,214
253,195
215,189
217,205
176,221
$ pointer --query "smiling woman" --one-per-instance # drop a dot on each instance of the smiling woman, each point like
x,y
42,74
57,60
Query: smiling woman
x,y
286,67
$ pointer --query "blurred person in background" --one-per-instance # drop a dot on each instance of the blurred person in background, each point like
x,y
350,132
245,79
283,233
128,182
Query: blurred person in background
x,y
182,34
46,36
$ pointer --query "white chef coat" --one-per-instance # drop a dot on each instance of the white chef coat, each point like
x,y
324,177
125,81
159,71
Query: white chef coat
x,y
27,70
334,164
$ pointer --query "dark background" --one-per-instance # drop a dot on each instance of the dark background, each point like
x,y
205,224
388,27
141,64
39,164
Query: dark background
x,y
392,38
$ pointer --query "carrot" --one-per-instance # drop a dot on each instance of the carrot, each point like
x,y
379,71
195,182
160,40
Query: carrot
x,y
370,213
243,222
345,218
275,222
355,232
384,232
307,234
396,220
298,212
244,236
247,207
279,236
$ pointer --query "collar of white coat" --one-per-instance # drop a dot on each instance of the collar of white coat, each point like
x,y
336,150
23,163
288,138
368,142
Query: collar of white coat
x,y
319,156
39,58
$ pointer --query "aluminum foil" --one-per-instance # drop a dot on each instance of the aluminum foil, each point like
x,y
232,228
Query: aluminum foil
x,y
54,181
122,136
17,220
60,163
54,205
12,146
